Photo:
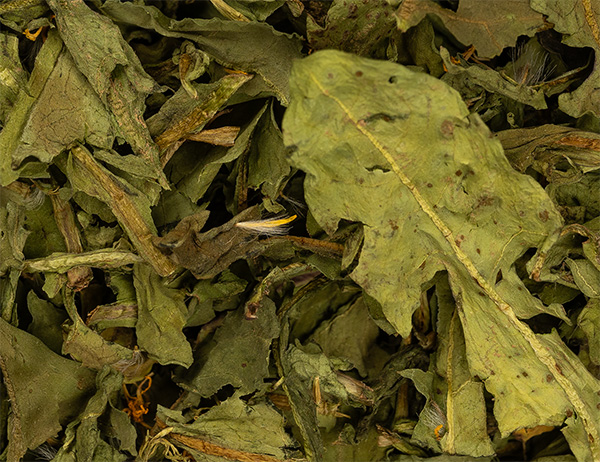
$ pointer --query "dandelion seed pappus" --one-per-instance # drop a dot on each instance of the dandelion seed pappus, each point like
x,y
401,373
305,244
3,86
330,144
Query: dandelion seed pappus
x,y
434,418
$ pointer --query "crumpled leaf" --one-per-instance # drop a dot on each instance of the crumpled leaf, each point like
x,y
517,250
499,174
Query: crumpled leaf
x,y
238,354
209,253
233,430
354,26
14,78
45,389
251,47
267,162
466,428
13,238
578,21
338,336
300,370
113,70
561,154
46,323
586,276
11,133
490,26
494,83
130,206
161,317
189,118
457,205
589,322
87,346
85,431
66,111
217,295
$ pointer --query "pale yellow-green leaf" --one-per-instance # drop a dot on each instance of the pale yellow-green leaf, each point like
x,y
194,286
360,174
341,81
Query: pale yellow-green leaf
x,y
399,152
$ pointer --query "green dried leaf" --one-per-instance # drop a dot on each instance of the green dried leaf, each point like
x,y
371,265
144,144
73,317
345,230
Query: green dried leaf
x,y
13,237
85,431
88,346
586,276
493,82
129,205
113,70
457,206
38,379
355,26
232,430
11,134
66,111
561,154
350,335
161,318
46,323
489,26
589,322
14,77
238,354
251,47
466,426
578,21
268,165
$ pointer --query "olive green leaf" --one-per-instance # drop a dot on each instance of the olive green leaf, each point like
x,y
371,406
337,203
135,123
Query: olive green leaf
x,y
161,317
130,206
113,70
233,430
14,77
45,389
354,26
589,322
493,82
578,21
86,430
489,26
238,354
399,152
251,47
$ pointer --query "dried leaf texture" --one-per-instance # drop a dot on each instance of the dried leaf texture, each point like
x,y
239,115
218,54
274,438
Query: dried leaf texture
x,y
398,151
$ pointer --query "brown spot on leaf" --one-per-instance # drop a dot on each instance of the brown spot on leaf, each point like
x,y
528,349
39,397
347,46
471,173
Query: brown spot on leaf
x,y
447,128
330,76
393,224
544,216
525,374
478,251
458,173
569,413
358,74
429,185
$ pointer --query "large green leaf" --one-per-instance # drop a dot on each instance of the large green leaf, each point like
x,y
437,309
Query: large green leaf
x,y
399,152
45,389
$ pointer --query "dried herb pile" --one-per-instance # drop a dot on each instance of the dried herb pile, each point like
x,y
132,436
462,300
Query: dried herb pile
x,y
298,230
